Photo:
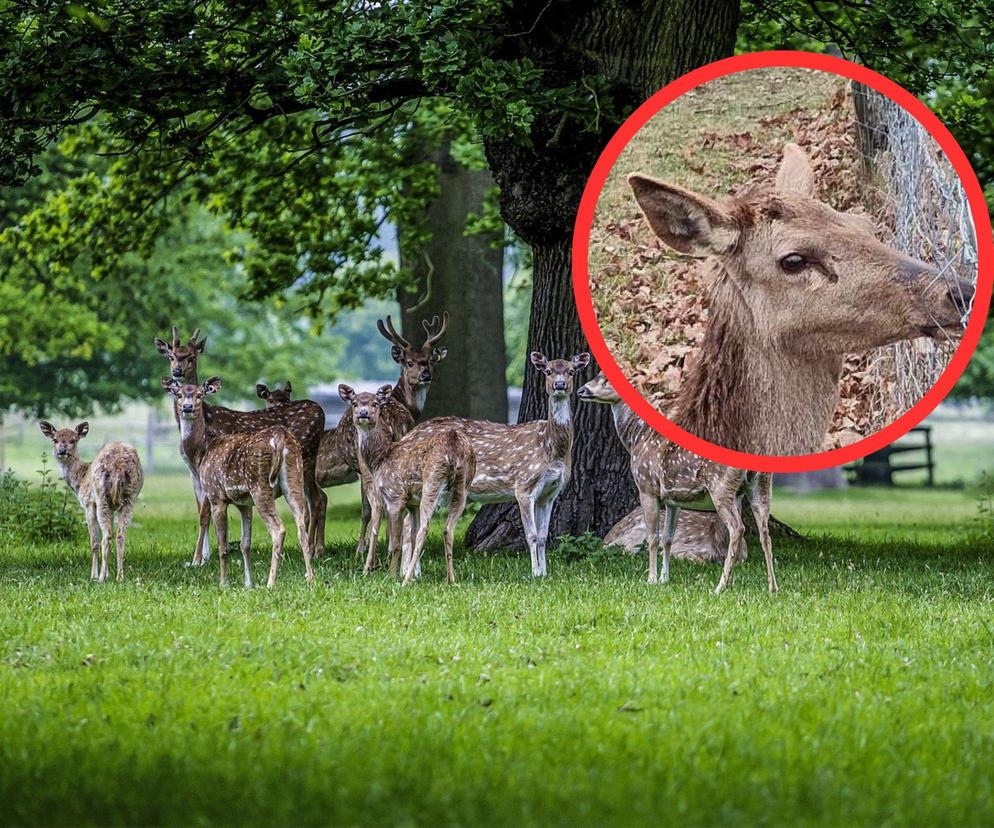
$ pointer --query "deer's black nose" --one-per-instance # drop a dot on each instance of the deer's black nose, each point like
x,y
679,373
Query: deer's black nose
x,y
426,376
559,385
961,294
583,391
187,409
177,372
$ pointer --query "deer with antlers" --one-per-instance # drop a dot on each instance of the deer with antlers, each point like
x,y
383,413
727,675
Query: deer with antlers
x,y
670,476
530,462
795,287
242,469
275,397
412,477
304,419
338,460
108,485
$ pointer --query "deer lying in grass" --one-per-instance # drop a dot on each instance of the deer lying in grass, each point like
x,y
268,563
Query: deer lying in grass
x,y
304,419
529,462
411,477
242,469
796,287
275,397
108,485
671,476
338,461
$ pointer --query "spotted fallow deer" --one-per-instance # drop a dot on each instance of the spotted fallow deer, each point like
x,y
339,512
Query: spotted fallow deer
x,y
304,419
275,397
338,461
530,462
108,485
242,469
671,476
795,287
412,477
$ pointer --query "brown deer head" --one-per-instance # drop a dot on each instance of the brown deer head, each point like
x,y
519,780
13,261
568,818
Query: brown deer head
x,y
559,373
417,365
801,275
599,390
182,358
65,441
365,406
275,396
189,396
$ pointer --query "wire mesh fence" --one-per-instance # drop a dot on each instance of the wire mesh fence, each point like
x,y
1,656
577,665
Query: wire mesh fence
x,y
914,192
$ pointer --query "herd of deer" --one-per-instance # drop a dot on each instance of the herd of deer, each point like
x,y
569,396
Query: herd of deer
x,y
797,286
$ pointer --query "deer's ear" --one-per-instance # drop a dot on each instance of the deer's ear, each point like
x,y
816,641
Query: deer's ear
x,y
262,391
47,428
83,429
686,221
163,347
795,174
346,393
287,387
383,393
201,345
397,353
581,360
438,354
212,386
169,384
538,360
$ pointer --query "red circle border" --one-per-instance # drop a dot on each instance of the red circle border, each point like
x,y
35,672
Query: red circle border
x,y
782,463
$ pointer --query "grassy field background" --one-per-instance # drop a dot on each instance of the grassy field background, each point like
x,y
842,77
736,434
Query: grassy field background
x,y
861,694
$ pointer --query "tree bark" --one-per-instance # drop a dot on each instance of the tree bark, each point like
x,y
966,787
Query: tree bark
x,y
461,274
636,47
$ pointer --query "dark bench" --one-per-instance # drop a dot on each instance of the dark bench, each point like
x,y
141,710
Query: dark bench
x,y
878,468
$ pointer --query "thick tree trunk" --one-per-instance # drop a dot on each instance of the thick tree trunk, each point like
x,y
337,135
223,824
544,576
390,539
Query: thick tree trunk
x,y
636,47
462,275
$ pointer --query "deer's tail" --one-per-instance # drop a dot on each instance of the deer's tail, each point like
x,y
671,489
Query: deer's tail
x,y
278,445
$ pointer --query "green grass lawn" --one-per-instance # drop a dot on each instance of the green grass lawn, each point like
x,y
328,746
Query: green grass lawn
x,y
863,693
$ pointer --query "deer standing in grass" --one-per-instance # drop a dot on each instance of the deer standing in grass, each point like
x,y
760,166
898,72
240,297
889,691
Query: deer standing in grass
x,y
796,286
275,397
408,477
109,484
338,461
530,462
673,477
243,469
304,419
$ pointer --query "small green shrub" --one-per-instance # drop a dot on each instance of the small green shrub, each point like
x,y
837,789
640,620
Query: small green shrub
x,y
579,547
42,513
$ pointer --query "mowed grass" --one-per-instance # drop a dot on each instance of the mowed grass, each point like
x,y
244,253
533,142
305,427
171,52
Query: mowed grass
x,y
863,693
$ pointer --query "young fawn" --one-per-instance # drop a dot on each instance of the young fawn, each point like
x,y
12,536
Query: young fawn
x,y
795,287
108,485
275,397
409,477
529,462
669,475
243,469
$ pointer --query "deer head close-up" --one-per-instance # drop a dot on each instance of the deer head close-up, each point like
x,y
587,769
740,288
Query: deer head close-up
x,y
794,286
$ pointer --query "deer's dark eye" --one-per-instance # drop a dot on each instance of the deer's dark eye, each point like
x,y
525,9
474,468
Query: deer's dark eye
x,y
793,263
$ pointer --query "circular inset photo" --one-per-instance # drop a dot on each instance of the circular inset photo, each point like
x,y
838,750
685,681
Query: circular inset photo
x,y
781,262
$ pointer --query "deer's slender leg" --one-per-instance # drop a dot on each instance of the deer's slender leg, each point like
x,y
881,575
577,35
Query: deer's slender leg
x,y
395,518
728,506
105,517
93,531
429,501
367,516
246,542
376,515
123,521
672,515
526,505
202,553
457,506
298,508
266,504
219,511
650,514
543,515
408,564
317,514
760,495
